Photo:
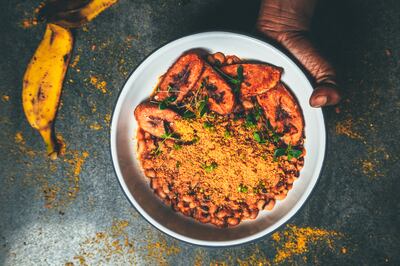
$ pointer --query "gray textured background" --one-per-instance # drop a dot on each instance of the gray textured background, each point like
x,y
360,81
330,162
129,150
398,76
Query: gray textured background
x,y
357,196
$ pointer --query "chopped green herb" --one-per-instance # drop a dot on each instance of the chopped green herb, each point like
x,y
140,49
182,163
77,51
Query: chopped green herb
x,y
250,120
229,78
211,167
279,152
203,108
178,164
208,125
289,152
177,146
239,71
275,136
164,104
195,139
242,189
189,114
258,137
257,112
292,153
227,134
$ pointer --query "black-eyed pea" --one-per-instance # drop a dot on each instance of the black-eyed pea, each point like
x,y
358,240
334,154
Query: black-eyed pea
x,y
204,219
220,57
270,205
140,135
246,213
261,204
211,59
281,196
232,221
247,104
275,181
212,208
161,193
221,214
154,183
253,214
187,198
165,189
232,59
141,146
169,143
150,173
147,164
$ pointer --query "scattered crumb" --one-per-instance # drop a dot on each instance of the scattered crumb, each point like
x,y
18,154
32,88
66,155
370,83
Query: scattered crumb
x,y
95,126
346,128
107,119
114,246
29,23
75,61
19,138
31,20
344,250
99,84
5,98
388,52
295,241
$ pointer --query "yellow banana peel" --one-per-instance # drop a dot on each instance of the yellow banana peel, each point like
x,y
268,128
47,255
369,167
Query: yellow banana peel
x,y
43,80
76,16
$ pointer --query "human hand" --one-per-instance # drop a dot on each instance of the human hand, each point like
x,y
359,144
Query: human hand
x,y
288,23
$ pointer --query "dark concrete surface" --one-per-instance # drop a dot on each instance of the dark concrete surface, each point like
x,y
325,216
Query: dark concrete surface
x,y
73,210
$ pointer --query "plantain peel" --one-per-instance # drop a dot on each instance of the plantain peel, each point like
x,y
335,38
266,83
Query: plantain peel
x,y
74,15
43,81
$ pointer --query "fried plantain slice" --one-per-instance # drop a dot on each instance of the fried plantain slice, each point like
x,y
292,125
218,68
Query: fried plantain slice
x,y
153,120
221,99
180,77
283,112
258,78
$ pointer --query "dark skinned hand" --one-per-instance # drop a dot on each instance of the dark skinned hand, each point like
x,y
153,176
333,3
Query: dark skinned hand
x,y
288,23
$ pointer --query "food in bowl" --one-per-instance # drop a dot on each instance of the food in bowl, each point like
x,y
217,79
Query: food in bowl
x,y
220,138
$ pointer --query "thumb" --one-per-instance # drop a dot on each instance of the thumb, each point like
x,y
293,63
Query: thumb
x,y
298,43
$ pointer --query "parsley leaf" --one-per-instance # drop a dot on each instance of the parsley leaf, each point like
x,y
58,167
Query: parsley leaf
x,y
164,104
227,134
239,71
188,114
242,188
211,167
177,146
208,125
258,137
279,152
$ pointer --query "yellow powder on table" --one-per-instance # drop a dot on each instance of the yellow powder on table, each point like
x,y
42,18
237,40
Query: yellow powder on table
x,y
19,138
99,84
297,240
95,126
75,61
346,128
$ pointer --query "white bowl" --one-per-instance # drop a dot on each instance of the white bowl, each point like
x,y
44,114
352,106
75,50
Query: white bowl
x,y
136,186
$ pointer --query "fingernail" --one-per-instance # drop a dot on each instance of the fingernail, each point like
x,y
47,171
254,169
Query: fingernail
x,y
320,101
